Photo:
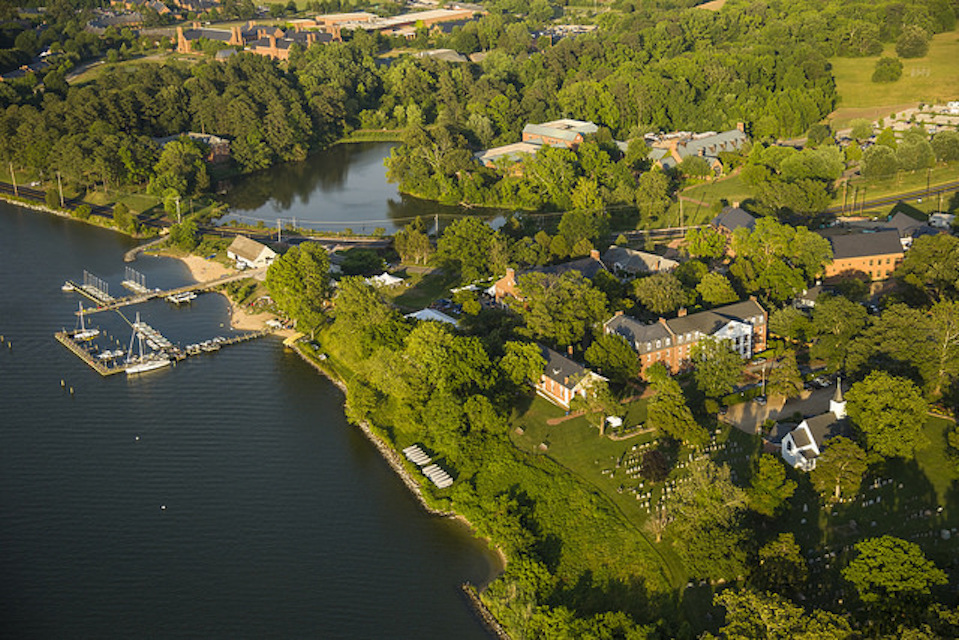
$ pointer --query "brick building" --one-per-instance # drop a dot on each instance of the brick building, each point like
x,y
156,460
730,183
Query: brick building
x,y
742,325
563,379
588,266
870,256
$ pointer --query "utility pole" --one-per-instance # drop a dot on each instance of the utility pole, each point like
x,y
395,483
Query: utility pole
x,y
436,225
681,225
279,231
178,218
928,175
845,189
862,207
14,178
60,184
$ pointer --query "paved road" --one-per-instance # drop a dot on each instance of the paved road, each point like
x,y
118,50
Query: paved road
x,y
750,416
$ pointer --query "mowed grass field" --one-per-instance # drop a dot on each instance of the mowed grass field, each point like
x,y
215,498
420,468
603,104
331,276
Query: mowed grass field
x,y
932,79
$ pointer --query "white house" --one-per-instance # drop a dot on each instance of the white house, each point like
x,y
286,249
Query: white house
x,y
802,445
249,253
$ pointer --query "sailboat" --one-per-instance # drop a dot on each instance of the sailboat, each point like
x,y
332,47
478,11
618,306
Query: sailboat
x,y
83,333
141,363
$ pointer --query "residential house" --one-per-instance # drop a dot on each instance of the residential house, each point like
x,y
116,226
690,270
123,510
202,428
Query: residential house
x,y
621,260
942,220
278,47
563,379
432,315
588,266
807,299
669,150
559,133
803,445
872,256
219,148
743,325
248,253
732,218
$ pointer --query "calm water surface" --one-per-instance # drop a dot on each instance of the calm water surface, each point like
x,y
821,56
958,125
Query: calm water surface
x,y
343,186
280,519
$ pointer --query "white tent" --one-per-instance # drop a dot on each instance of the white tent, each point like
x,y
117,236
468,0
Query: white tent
x,y
432,314
384,280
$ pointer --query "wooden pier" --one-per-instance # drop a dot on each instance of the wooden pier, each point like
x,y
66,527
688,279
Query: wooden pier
x,y
107,368
100,367
118,303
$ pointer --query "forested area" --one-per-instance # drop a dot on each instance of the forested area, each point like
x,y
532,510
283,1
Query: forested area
x,y
575,568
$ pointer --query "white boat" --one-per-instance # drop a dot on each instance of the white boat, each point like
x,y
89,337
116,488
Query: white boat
x,y
67,286
179,298
140,362
149,364
83,333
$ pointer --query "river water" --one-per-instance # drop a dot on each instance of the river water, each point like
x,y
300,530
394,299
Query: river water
x,y
341,187
225,497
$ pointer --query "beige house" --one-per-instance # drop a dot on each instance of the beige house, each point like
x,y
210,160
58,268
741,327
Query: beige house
x,y
250,254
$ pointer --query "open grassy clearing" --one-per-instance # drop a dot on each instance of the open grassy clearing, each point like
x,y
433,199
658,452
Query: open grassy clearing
x,y
932,79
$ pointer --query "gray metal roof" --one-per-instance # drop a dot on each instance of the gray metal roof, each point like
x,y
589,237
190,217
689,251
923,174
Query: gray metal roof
x,y
708,322
732,218
561,369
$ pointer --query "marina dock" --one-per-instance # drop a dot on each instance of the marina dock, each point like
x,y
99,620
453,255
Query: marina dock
x,y
105,367
111,304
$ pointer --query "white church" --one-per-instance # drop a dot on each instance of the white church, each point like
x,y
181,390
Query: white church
x,y
802,445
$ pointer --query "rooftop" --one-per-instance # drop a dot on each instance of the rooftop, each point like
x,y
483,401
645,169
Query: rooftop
x,y
859,245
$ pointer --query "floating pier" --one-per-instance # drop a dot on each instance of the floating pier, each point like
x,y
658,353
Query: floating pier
x,y
109,366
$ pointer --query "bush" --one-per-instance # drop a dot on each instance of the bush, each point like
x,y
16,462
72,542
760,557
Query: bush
x,y
913,43
887,70
52,199
82,212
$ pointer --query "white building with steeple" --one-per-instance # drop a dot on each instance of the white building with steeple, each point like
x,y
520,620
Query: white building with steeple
x,y
801,446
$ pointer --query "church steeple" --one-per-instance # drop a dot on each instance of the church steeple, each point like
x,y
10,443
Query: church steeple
x,y
838,404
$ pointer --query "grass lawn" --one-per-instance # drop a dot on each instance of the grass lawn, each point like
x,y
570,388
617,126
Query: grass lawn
x,y
730,189
932,79
906,182
424,288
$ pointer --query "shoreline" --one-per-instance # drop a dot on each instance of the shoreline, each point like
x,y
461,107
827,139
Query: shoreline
x,y
394,460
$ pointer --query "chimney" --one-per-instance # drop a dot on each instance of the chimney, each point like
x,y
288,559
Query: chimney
x,y
273,43
594,254
662,321
510,273
619,313
569,350
753,298
566,381
741,126
682,312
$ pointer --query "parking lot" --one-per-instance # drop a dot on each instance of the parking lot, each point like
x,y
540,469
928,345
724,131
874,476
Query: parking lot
x,y
750,416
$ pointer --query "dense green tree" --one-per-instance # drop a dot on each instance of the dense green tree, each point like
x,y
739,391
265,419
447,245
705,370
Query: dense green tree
x,y
705,242
790,323
412,243
945,144
598,403
781,566
766,616
446,363
913,43
661,292
613,357
718,368
668,411
652,196
839,469
185,235
299,282
364,320
361,262
893,576
835,322
559,308
181,167
932,266
707,511
472,248
522,362
716,290
122,218
769,488
879,161
784,377
887,70
890,412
